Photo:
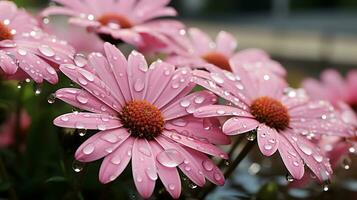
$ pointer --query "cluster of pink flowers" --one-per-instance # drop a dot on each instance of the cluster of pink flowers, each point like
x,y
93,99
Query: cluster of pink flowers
x,y
148,114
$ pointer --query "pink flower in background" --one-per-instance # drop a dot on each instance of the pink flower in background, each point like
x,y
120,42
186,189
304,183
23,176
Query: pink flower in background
x,y
198,50
24,45
143,114
285,119
343,95
134,22
7,129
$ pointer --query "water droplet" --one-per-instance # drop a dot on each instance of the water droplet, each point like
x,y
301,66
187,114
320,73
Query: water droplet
x,y
351,149
251,135
220,111
208,165
51,70
170,158
171,186
346,163
46,50
217,176
38,89
139,179
20,84
102,127
268,146
199,99
317,157
151,173
80,60
289,177
227,163
88,149
325,187
192,185
116,160
82,132
77,166
51,99
109,137
87,75
185,103
139,85
216,77
304,148
81,99
22,51
179,122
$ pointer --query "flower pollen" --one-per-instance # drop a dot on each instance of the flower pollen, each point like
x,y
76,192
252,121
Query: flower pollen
x,y
5,33
142,119
120,20
218,60
270,112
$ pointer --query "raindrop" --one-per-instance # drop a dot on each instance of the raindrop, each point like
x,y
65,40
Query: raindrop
x,y
151,174
289,177
170,158
112,138
185,103
81,99
88,149
139,85
251,135
101,127
346,163
22,51
145,151
179,122
199,99
80,60
192,185
171,186
38,89
217,176
217,78
116,160
20,84
220,111
77,166
325,187
268,146
208,165
82,132
139,179
351,149
46,50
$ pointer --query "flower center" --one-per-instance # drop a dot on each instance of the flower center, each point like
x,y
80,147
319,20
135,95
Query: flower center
x,y
5,33
142,119
112,18
217,59
270,112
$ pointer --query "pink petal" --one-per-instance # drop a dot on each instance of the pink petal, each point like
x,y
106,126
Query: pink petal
x,y
195,144
143,166
7,64
157,85
311,155
180,82
220,111
201,41
92,84
188,104
85,120
137,74
226,43
203,129
101,144
169,176
83,100
115,163
118,63
189,167
291,157
210,170
267,140
239,125
101,67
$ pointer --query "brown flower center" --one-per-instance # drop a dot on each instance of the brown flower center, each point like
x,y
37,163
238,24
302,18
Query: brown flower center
x,y
5,33
120,20
270,112
142,119
217,59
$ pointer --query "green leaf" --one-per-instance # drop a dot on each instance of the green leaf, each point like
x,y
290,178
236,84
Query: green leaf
x,y
269,191
5,186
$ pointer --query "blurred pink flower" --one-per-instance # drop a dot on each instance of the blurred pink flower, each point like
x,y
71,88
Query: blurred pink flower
x,y
144,114
285,119
7,129
24,45
134,22
198,49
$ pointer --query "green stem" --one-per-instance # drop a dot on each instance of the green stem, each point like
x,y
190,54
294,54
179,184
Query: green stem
x,y
5,178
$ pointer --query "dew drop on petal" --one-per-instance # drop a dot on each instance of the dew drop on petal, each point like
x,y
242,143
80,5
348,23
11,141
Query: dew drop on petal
x,y
110,137
304,148
170,158
171,186
80,60
46,50
82,132
151,173
289,177
208,165
145,151
185,103
51,99
116,160
139,85
88,149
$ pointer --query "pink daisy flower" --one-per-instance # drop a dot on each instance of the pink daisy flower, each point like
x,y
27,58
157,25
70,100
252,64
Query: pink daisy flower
x,y
342,94
134,22
24,45
198,49
143,114
284,121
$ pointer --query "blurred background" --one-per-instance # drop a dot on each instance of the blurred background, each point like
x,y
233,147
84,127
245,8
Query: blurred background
x,y
305,35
